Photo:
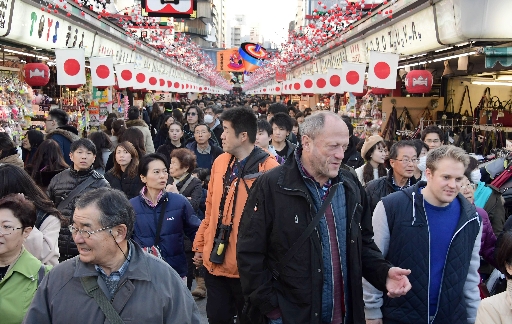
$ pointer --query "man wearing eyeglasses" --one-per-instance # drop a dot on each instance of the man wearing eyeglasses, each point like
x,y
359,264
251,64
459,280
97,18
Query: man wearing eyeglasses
x,y
433,230
204,147
432,135
402,159
112,278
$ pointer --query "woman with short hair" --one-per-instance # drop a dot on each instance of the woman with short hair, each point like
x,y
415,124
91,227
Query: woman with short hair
x,y
20,271
153,203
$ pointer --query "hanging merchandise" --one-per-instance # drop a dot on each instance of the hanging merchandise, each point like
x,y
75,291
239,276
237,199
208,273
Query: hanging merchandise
x,y
36,74
419,81
447,112
500,114
382,70
483,111
70,66
102,72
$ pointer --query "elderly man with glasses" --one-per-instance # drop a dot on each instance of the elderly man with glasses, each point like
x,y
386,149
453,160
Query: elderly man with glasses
x,y
112,278
402,159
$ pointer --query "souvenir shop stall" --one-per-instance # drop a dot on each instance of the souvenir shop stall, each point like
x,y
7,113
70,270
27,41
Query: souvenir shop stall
x,y
91,59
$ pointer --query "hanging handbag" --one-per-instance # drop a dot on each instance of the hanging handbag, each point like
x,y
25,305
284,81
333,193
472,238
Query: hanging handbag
x,y
446,113
466,117
500,114
390,128
482,113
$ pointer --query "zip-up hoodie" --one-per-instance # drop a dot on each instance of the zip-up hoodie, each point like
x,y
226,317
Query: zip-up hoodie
x,y
403,235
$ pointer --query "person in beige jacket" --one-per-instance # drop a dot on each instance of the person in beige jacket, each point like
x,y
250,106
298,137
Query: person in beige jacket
x,y
42,242
498,308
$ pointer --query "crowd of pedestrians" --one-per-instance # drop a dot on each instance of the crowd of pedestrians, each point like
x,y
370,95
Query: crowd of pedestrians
x,y
279,214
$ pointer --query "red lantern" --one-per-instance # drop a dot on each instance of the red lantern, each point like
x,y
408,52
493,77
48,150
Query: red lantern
x,y
381,91
419,81
361,94
36,74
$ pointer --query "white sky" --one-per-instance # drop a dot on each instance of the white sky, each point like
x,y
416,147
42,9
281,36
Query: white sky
x,y
273,16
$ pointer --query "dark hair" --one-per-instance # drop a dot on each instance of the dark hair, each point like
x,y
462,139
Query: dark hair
x,y
348,122
295,123
264,125
308,111
282,120
134,136
133,113
299,114
101,141
118,127
292,108
60,116
163,126
108,125
473,164
186,157
368,168
200,114
203,174
167,107
131,169
242,120
21,208
431,129
146,160
155,112
178,115
6,145
419,144
115,208
35,138
504,253
277,108
85,143
14,179
393,152
203,124
48,156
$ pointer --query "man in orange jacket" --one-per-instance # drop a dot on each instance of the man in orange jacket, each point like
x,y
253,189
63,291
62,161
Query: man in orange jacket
x,y
233,174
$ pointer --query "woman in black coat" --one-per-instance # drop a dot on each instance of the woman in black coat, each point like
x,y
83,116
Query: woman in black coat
x,y
124,175
174,140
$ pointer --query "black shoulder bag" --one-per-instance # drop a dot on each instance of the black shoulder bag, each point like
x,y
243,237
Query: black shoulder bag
x,y
305,235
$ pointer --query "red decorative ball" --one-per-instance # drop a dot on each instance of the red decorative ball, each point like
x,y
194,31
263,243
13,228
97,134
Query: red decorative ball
x,y
419,81
36,74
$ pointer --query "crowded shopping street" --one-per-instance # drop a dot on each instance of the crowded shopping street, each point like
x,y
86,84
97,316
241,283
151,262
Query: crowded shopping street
x,y
270,162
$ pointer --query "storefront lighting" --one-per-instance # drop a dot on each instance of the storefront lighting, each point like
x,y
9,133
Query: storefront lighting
x,y
437,60
490,83
27,54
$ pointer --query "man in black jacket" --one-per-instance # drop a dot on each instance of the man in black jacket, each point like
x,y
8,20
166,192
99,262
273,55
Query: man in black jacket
x,y
352,157
402,158
320,282
66,187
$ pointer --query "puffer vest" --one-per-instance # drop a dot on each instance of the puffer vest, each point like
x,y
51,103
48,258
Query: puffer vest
x,y
409,248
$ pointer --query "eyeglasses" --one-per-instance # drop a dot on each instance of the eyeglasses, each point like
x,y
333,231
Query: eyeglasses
x,y
7,230
84,233
432,141
191,114
470,186
407,160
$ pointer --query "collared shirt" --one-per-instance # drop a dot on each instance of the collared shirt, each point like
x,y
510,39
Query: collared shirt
x,y
205,151
148,201
397,187
112,280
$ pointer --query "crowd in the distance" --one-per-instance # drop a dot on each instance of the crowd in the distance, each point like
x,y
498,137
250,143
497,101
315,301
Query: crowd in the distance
x,y
279,214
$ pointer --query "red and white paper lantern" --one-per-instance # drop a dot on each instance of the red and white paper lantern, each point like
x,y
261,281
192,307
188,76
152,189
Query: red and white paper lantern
x,y
382,70
102,71
70,65
419,81
352,77
36,74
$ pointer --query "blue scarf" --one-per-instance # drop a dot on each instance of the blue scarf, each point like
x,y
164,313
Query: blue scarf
x,y
482,194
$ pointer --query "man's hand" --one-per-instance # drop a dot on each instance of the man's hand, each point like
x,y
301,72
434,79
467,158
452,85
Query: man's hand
x,y
397,282
198,259
374,321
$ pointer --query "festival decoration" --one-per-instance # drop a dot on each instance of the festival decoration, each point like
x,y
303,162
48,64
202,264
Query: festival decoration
x,y
352,77
36,74
253,55
382,70
70,66
419,81
102,72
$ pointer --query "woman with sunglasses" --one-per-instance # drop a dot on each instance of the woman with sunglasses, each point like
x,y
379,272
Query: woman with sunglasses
x,y
194,117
